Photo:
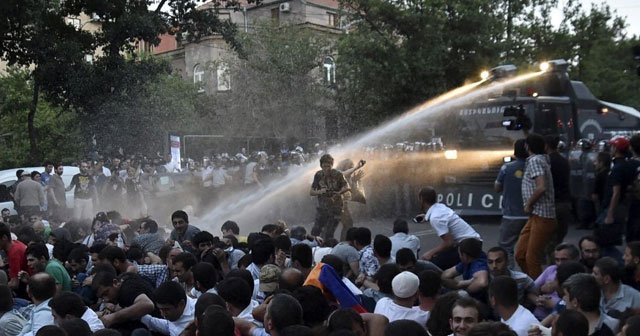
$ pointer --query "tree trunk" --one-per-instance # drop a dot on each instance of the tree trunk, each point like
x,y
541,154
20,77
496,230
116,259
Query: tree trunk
x,y
33,144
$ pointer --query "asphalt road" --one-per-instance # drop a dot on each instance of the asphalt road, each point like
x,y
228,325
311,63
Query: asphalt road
x,y
488,227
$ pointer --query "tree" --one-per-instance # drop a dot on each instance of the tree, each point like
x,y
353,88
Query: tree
x,y
397,54
137,121
35,35
56,128
278,90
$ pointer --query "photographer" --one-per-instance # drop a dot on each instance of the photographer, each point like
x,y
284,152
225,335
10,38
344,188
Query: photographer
x,y
328,185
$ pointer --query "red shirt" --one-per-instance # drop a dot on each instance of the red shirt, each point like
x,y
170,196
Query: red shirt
x,y
17,258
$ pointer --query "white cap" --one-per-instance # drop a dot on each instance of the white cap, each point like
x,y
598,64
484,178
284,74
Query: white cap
x,y
405,285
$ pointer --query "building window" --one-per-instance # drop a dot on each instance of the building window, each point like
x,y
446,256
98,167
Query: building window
x,y
275,14
224,77
198,77
329,67
88,58
333,19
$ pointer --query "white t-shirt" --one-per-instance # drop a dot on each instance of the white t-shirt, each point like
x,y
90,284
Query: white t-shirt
x,y
393,312
92,320
444,220
521,321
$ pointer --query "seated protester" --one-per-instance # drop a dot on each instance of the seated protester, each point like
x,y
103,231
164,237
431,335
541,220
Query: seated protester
x,y
176,308
233,251
346,319
51,330
340,268
238,294
464,316
491,329
247,278
232,228
382,250
117,258
580,293
129,296
11,320
405,327
136,255
368,262
348,253
204,301
439,322
429,290
205,278
302,258
216,321
616,296
407,261
157,274
631,257
546,284
569,323
202,242
268,283
381,287
499,265
42,287
315,308
76,327
262,253
405,292
473,268
503,296
68,305
554,307
149,238
589,251
182,264
292,279
299,236
182,232
282,311
94,255
402,239
631,326
324,249
38,260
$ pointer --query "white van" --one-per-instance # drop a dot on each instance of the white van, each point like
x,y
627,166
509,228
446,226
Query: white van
x,y
8,178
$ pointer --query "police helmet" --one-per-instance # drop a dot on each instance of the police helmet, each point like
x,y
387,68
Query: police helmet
x,y
585,144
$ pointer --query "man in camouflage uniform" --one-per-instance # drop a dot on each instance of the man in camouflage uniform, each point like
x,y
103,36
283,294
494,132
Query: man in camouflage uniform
x,y
328,185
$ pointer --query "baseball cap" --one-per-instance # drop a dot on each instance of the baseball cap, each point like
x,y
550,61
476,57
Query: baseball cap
x,y
405,284
269,278
620,142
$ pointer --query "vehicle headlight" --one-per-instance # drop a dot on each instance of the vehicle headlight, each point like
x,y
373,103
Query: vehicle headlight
x,y
451,154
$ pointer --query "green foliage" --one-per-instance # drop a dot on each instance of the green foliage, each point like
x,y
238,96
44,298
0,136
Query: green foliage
x,y
57,128
35,35
139,120
399,54
278,89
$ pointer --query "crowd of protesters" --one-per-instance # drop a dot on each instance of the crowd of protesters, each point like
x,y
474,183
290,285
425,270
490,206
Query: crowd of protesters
x,y
120,277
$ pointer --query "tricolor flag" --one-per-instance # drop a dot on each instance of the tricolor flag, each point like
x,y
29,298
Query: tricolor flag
x,y
325,277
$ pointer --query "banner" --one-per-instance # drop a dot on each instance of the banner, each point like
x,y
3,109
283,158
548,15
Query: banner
x,y
175,150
